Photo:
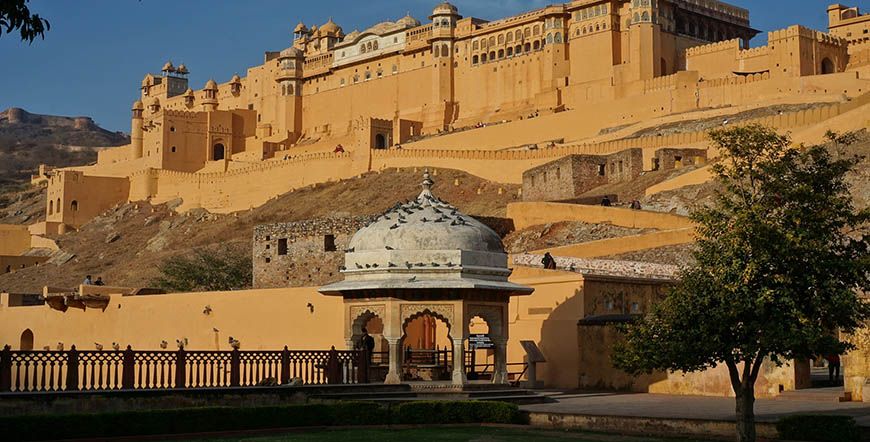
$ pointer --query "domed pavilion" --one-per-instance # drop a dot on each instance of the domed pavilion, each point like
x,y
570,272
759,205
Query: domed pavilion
x,y
424,258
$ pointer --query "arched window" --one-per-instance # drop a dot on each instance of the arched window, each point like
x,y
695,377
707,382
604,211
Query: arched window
x,y
527,32
501,53
51,207
510,37
518,50
519,35
537,45
483,58
26,342
558,38
501,39
536,30
356,78
445,51
58,206
368,75
474,59
645,16
476,45
549,38
362,48
290,90
636,17
395,69
597,27
491,55
510,52
380,141
375,45
584,14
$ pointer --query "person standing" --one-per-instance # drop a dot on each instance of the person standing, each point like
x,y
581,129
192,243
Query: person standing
x,y
88,280
833,367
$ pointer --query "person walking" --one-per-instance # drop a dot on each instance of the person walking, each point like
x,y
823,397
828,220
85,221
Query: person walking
x,y
548,261
833,367
605,201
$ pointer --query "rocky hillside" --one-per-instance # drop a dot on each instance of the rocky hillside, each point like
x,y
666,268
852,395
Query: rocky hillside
x,y
126,244
28,140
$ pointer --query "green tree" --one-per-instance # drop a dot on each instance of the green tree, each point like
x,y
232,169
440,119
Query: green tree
x,y
780,267
224,268
15,15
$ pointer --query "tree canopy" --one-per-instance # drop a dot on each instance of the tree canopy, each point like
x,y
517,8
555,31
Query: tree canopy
x,y
224,268
780,268
16,15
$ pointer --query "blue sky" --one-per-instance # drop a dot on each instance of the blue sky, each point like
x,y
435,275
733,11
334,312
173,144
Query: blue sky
x,y
94,57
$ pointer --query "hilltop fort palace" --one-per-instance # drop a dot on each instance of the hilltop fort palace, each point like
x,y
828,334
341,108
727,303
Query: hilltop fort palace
x,y
548,104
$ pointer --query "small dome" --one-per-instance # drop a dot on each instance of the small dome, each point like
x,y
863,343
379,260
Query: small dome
x,y
291,52
168,67
210,85
189,93
137,105
351,37
300,28
408,21
330,29
445,8
426,223
182,69
236,79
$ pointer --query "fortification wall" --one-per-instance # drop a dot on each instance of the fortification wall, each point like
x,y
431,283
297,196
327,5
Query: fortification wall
x,y
14,239
528,214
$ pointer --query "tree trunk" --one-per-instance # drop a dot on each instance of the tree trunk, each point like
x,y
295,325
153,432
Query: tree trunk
x,y
745,397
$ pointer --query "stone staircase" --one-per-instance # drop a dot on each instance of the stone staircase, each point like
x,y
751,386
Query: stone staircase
x,y
827,394
438,391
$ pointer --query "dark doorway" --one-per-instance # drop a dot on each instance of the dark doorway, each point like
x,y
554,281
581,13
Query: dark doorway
x,y
329,243
380,141
218,152
26,340
828,67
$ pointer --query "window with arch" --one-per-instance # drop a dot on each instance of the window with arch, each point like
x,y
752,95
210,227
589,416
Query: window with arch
x,y
380,72
558,38
475,45
26,342
445,51
518,50
636,17
518,35
536,30
597,27
537,45
483,58
527,32
368,75
362,48
50,207
501,53
510,37
527,47
491,55
549,38
492,41
58,206
395,69
584,14
74,206
501,39
510,52
356,78
375,45
341,82
475,59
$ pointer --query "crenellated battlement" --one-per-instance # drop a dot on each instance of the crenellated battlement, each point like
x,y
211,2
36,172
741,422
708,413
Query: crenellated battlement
x,y
760,51
727,45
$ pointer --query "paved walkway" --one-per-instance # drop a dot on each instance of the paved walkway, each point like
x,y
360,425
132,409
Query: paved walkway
x,y
689,407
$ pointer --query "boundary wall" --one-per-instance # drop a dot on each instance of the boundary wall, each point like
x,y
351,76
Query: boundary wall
x,y
528,214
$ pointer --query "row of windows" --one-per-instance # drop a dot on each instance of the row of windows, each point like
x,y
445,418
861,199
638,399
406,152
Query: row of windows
x,y
506,37
73,205
586,30
590,12
510,52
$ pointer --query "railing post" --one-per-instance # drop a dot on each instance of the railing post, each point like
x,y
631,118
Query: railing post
x,y
6,369
235,368
362,375
128,369
285,366
180,368
72,370
333,368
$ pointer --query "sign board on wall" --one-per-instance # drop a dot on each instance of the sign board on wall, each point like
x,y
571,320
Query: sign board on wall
x,y
480,340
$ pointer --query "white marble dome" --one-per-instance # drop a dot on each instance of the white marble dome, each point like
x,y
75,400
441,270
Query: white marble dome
x,y
426,223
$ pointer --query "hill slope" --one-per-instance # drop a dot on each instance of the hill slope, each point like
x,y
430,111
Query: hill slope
x,y
28,140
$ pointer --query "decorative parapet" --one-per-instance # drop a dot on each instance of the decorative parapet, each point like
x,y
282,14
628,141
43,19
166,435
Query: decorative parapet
x,y
605,268
727,45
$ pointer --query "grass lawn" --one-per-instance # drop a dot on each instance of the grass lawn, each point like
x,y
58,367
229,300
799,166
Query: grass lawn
x,y
476,434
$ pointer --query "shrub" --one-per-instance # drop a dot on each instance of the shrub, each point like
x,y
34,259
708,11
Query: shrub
x,y
215,419
216,269
457,412
818,428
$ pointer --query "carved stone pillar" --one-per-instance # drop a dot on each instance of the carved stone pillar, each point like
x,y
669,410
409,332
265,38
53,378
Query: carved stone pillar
x,y
459,362
394,375
499,375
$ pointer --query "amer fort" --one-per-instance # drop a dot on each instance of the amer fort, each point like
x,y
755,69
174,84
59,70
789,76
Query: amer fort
x,y
556,108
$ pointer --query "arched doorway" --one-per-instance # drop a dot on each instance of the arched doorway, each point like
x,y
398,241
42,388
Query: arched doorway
x,y
427,349
26,340
380,141
481,354
218,152
828,66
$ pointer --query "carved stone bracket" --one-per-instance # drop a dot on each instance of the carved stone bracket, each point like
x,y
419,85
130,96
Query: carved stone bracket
x,y
445,311
358,310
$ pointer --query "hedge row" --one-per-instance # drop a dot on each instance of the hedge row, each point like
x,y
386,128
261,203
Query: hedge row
x,y
821,428
216,419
